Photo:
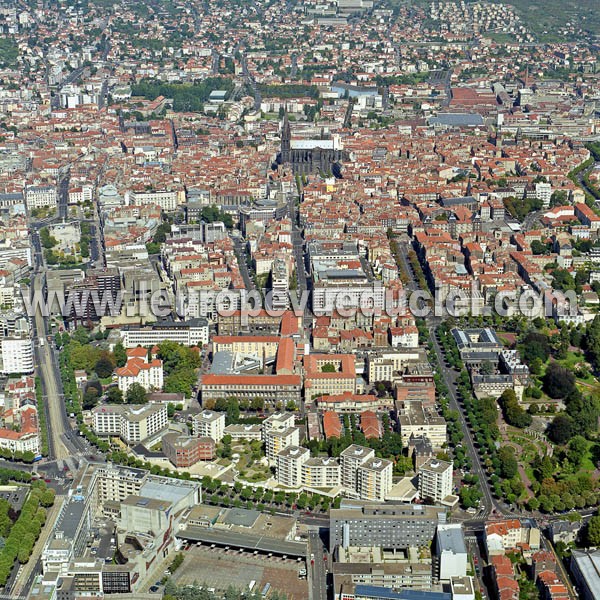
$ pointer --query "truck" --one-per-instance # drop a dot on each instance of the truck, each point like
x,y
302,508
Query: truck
x,y
251,585
42,342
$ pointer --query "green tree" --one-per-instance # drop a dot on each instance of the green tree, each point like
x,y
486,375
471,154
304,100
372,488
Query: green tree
x,y
136,394
559,382
120,355
592,532
114,395
578,448
104,366
508,463
560,430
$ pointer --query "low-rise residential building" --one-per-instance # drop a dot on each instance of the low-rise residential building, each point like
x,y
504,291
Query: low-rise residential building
x,y
27,438
511,534
186,450
140,370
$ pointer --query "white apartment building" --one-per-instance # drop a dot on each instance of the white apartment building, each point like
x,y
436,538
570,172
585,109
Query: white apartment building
x,y
321,472
209,424
15,441
132,424
40,197
374,479
113,482
351,458
16,355
277,439
280,299
339,287
543,192
289,464
435,480
418,421
167,200
278,421
138,370
79,195
404,337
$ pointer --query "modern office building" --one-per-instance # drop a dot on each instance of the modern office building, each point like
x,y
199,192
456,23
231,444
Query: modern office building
x,y
415,419
132,423
452,551
391,526
189,333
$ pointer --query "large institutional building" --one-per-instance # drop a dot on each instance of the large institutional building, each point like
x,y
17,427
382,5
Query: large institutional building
x,y
310,155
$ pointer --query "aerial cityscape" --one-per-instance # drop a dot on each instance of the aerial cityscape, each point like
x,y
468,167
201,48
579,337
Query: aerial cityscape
x,y
299,300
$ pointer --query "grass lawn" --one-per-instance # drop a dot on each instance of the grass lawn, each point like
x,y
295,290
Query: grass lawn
x,y
507,338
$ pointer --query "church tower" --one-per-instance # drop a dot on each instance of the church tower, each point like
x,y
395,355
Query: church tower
x,y
286,138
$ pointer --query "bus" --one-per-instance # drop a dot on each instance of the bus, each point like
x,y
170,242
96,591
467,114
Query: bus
x,y
251,585
265,590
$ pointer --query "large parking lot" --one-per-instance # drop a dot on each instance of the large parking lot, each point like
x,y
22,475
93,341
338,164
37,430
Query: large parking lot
x,y
219,568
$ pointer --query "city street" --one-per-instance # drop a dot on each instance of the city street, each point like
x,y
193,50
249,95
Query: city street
x,y
317,567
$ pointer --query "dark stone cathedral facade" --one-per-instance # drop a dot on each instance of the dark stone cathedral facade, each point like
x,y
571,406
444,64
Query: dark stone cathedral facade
x,y
310,156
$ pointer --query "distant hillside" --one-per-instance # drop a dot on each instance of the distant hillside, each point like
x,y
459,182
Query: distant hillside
x,y
544,17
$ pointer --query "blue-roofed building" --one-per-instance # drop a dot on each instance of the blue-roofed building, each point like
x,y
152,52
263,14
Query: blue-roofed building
x,y
446,120
370,592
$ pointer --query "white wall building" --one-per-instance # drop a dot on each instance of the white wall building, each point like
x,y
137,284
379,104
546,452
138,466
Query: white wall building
x,y
321,472
133,423
41,196
289,464
452,551
138,370
279,438
167,200
188,333
435,479
209,424
374,479
16,355
351,458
